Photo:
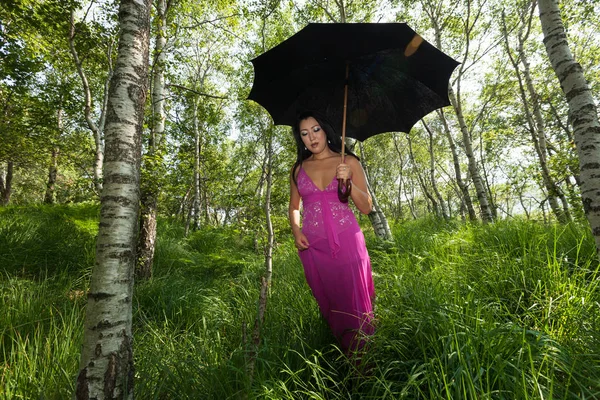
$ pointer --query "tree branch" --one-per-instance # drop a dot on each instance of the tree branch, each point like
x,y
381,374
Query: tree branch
x,y
212,96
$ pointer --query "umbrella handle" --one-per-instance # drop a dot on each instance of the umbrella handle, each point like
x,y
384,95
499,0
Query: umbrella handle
x,y
344,190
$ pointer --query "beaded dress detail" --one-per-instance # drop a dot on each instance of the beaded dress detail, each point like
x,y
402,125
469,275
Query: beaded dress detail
x,y
336,264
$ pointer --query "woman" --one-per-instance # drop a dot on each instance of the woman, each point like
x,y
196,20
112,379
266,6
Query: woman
x,y
330,243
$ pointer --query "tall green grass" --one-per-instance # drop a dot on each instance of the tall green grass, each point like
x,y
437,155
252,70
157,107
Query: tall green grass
x,y
509,310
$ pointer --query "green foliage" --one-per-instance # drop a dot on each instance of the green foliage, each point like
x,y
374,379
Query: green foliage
x,y
504,310
41,242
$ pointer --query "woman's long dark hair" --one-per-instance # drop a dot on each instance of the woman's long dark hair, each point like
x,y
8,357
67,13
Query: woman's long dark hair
x,y
334,141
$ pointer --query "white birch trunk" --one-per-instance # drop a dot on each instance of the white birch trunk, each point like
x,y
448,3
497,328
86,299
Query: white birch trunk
x,y
6,175
533,115
150,186
582,110
400,213
436,191
197,152
381,227
87,96
270,231
462,185
434,13
266,279
484,206
50,195
106,365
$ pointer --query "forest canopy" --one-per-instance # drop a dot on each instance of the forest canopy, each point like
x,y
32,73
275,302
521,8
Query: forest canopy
x,y
130,153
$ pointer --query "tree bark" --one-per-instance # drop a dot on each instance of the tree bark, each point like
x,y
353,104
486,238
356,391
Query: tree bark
x,y
432,204
534,118
434,14
582,110
377,217
151,183
197,152
443,207
96,131
50,195
411,199
267,207
484,206
6,177
400,212
266,279
462,185
106,365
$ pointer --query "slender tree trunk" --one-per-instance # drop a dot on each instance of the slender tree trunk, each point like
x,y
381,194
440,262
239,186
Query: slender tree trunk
x,y
525,209
6,176
401,188
488,187
462,185
562,214
399,211
189,218
87,96
411,199
484,206
99,140
432,203
197,151
184,200
534,118
377,217
50,196
106,366
432,178
151,184
270,232
147,236
582,110
266,279
434,14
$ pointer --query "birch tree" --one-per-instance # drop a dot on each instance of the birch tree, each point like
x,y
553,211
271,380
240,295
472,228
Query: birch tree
x,y
97,128
470,18
465,196
431,201
6,175
532,106
50,196
106,365
432,175
153,160
377,217
582,110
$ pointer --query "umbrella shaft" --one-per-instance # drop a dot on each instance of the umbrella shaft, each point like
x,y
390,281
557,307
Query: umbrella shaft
x,y
345,108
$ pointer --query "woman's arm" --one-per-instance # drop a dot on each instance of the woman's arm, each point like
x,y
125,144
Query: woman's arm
x,y
359,194
294,215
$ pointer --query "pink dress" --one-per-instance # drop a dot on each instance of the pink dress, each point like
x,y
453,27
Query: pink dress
x,y
336,264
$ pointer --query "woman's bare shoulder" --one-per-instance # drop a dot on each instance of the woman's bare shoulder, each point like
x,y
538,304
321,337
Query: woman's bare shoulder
x,y
351,160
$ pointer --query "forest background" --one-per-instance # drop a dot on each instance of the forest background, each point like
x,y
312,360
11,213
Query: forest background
x,y
485,265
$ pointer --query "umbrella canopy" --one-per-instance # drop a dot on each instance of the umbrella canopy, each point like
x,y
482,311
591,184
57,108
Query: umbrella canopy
x,y
395,78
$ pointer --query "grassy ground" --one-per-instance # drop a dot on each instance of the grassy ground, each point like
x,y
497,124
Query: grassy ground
x,y
503,311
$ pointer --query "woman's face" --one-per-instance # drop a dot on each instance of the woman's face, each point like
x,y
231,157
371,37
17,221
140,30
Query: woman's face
x,y
312,135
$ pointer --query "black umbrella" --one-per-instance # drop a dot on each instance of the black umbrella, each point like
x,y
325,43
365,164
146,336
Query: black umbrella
x,y
395,77
385,75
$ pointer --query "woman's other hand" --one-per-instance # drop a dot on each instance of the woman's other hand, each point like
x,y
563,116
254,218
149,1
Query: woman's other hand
x,y
344,172
301,241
